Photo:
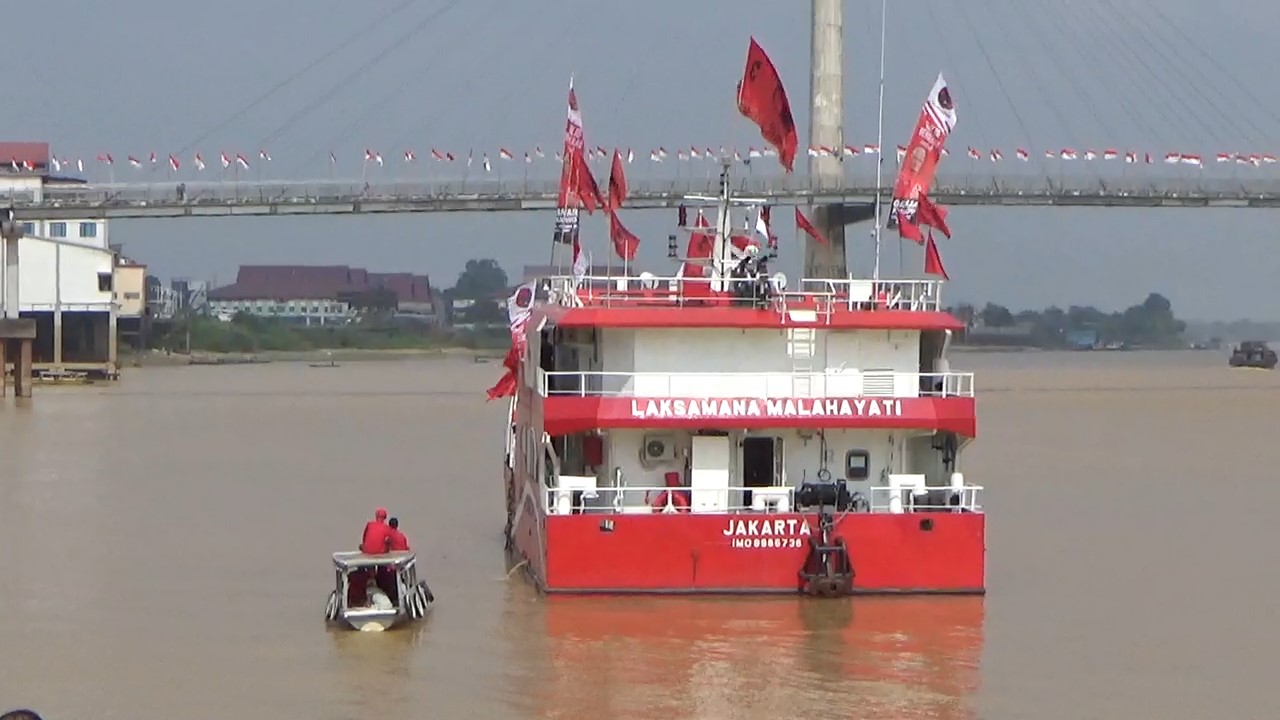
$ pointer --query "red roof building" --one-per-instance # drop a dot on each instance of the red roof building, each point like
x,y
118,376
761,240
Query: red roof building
x,y
317,290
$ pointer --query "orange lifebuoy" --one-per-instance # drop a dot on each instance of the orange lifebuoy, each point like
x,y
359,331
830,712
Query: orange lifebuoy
x,y
679,500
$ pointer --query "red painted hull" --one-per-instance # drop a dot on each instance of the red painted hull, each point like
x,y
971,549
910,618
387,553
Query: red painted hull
x,y
679,553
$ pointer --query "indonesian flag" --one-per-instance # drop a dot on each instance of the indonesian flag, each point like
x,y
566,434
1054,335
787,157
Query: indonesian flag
x,y
1090,155
631,156
409,156
226,161
1109,154
333,158
57,166
1131,157
135,162
199,162
528,159
654,156
537,151
487,166
1068,154
244,164
368,155
173,163
849,151
504,153
264,155
80,164
153,158
693,153
762,226
1023,155
996,156
106,159
974,153
437,155
1192,160
902,152
1173,158
377,157
1224,157
871,149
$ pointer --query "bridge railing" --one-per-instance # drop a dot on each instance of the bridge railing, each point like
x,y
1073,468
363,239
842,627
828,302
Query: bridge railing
x,y
232,191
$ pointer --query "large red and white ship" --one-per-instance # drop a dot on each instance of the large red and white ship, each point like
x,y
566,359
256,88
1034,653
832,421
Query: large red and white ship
x,y
705,434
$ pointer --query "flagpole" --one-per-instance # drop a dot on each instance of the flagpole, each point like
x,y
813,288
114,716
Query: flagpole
x,y
875,273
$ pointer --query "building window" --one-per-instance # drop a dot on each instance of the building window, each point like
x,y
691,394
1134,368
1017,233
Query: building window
x,y
58,229
104,278
28,228
88,230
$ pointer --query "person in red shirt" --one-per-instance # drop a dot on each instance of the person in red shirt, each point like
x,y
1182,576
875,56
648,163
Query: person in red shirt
x,y
396,541
376,534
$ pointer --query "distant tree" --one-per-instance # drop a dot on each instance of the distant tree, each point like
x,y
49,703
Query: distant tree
x,y
996,316
481,280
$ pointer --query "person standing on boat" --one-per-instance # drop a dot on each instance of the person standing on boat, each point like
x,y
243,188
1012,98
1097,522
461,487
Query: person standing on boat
x,y
396,540
376,534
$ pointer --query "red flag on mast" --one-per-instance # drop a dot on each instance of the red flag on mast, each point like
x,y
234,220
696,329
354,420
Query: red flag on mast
x,y
763,100
932,260
932,215
624,242
908,228
803,223
617,183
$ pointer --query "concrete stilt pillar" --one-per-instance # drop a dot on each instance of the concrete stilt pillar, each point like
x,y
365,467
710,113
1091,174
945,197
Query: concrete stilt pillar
x,y
57,339
113,344
22,370
4,378
826,129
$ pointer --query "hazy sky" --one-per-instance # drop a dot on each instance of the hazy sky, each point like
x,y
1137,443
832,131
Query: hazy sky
x,y
136,76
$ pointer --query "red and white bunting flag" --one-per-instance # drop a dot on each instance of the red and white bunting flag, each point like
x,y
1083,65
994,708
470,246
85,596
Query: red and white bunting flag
x,y
409,156
1268,159
153,158
654,156
528,159
368,155
437,155
559,156
1023,155
1068,154
226,161
1173,158
537,151
849,151
244,164
996,156
1050,154
1192,160
377,157
135,161
902,152
487,166
631,156
1109,154
974,153
662,153
1090,155
106,159
681,155
871,149
57,165
1131,157
1224,157
813,151
581,262
263,154
504,153
199,162
694,154
173,163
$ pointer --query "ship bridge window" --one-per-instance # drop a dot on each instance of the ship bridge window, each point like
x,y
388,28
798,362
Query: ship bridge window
x,y
857,465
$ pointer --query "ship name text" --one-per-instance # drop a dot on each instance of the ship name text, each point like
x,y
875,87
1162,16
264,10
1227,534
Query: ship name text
x,y
730,408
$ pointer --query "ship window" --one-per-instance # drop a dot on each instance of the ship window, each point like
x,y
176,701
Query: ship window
x,y
857,465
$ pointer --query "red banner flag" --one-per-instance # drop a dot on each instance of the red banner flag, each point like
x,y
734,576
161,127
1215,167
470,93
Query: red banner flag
x,y
624,242
920,163
932,260
617,183
908,229
929,214
577,186
803,223
763,101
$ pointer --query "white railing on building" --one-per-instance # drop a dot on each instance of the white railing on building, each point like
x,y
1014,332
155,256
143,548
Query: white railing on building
x,y
765,385
821,296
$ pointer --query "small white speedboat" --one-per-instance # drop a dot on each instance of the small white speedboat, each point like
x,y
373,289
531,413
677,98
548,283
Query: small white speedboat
x,y
373,593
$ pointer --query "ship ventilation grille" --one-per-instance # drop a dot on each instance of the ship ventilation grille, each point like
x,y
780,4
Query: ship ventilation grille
x,y
877,384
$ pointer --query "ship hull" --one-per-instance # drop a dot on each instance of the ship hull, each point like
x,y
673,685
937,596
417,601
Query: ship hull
x,y
909,553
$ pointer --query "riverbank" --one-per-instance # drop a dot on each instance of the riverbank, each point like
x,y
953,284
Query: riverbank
x,y
161,358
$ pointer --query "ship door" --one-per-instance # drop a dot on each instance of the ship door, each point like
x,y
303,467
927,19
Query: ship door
x,y
759,465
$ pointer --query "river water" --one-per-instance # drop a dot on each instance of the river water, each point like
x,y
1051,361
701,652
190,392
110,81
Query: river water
x,y
164,553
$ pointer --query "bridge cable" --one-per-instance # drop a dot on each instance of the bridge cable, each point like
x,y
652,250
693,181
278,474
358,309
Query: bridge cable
x,y
956,79
1208,85
397,93
358,71
1187,39
1086,56
1190,109
1106,45
298,74
991,65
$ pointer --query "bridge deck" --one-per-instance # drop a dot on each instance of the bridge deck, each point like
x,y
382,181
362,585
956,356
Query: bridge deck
x,y
338,197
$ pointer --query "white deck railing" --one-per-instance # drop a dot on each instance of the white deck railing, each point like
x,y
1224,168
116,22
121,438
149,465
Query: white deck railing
x,y
771,500
766,385
823,296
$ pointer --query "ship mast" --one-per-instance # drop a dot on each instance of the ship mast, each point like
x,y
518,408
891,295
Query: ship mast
x,y
722,258
875,272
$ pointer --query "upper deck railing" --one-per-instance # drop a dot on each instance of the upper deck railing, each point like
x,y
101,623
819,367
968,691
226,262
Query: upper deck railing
x,y
766,385
822,296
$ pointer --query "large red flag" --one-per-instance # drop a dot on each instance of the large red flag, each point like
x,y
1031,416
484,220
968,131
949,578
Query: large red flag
x,y
617,183
624,242
932,215
762,99
932,260
803,223
920,163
